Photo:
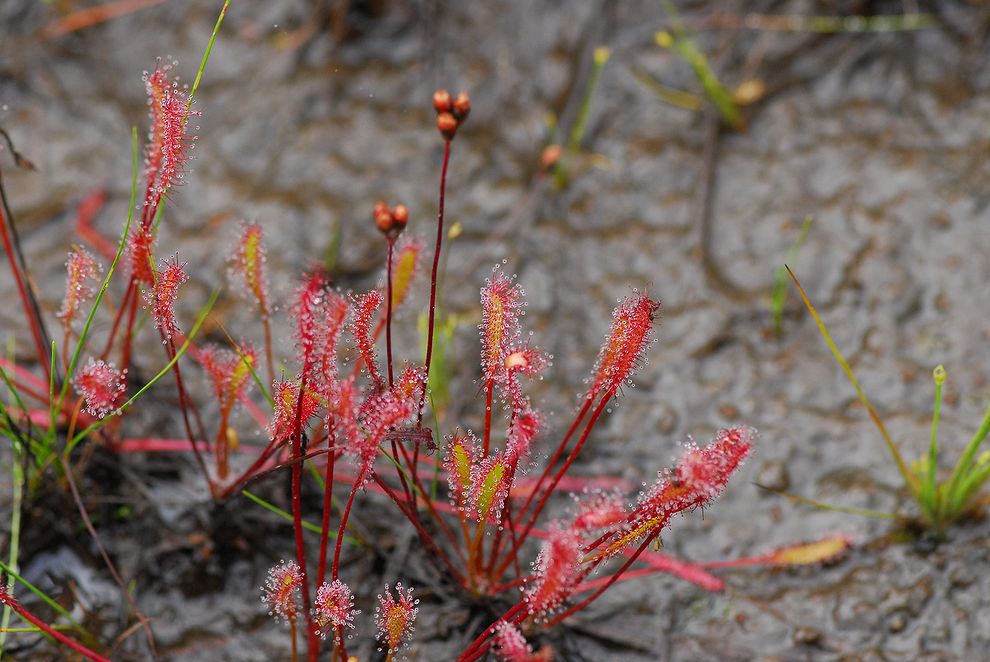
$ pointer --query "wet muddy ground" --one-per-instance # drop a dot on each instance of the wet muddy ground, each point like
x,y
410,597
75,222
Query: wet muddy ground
x,y
308,118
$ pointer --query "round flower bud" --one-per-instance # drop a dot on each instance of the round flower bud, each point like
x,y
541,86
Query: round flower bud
x,y
447,125
400,215
462,106
441,101
384,221
379,209
551,155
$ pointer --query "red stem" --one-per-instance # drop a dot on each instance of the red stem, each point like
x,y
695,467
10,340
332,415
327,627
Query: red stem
x,y
570,459
560,449
388,310
513,552
433,274
472,652
184,403
321,571
489,388
614,578
335,567
117,318
429,503
128,333
21,611
29,311
314,645
268,344
423,535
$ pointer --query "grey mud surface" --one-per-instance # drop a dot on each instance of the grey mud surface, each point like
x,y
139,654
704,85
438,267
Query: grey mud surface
x,y
881,137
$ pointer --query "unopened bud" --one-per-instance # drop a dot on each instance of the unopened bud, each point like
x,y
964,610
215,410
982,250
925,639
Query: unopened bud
x,y
379,209
462,106
447,125
400,215
441,101
384,221
551,155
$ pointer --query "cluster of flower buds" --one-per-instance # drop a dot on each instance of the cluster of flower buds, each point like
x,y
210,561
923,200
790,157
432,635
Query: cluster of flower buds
x,y
392,221
451,111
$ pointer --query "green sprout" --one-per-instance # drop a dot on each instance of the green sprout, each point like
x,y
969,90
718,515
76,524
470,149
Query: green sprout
x,y
941,503
778,297
677,40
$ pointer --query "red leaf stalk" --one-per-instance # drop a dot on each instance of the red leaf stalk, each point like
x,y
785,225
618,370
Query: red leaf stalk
x,y
12,602
434,271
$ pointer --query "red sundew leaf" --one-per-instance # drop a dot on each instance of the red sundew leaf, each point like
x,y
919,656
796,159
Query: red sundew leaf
x,y
228,371
405,265
501,307
628,337
168,139
163,295
287,412
691,572
511,645
521,361
281,590
307,316
489,488
247,265
555,572
365,307
335,310
381,413
140,256
82,281
102,387
334,607
394,617
600,511
526,424
700,476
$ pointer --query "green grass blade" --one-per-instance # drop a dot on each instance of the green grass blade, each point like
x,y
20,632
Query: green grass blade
x,y
956,492
600,57
863,512
15,534
970,485
41,595
929,487
778,297
679,41
287,516
209,49
909,478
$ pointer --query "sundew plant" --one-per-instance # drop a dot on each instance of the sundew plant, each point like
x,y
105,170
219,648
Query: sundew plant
x,y
353,417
